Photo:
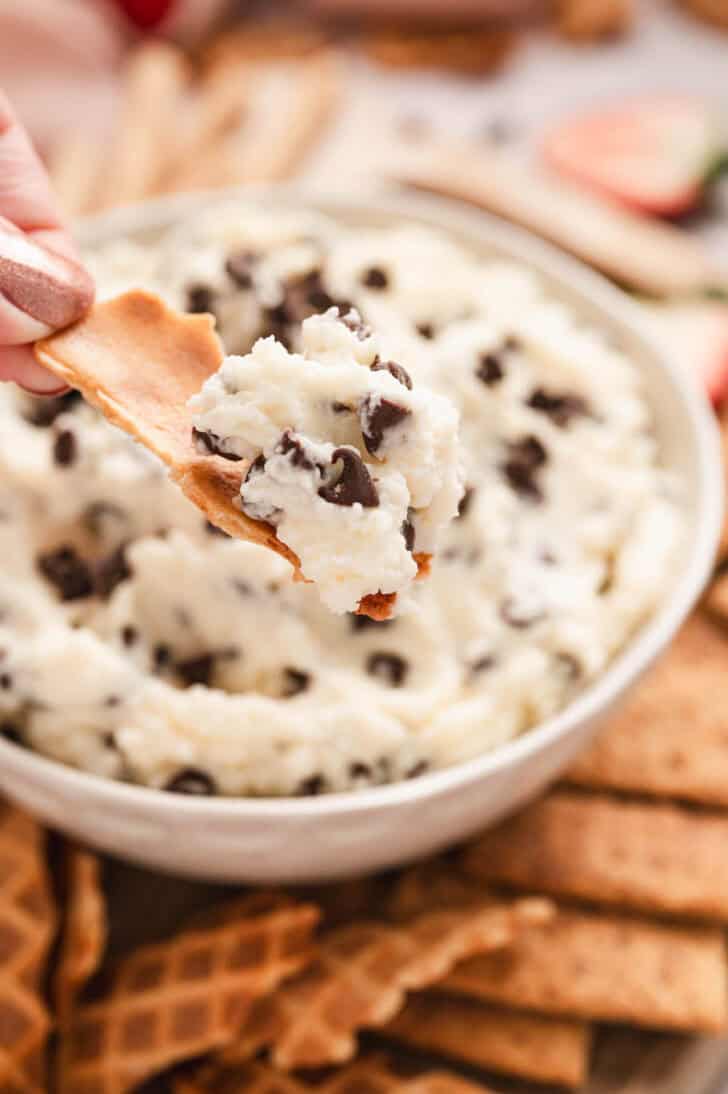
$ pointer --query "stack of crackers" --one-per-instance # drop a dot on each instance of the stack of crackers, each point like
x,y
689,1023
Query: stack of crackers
x,y
604,902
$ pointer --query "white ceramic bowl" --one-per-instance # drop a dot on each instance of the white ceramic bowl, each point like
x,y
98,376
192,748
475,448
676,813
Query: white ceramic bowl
x,y
304,839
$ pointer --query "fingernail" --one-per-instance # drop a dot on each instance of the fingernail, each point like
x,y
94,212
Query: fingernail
x,y
43,285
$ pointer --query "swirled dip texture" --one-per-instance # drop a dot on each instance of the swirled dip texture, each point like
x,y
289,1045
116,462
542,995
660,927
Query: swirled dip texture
x,y
356,468
138,643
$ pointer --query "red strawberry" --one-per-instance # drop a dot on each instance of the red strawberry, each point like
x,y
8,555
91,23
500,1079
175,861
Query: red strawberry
x,y
695,333
654,154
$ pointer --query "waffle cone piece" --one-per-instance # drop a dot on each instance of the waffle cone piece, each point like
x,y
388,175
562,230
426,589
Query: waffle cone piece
x,y
85,929
368,1075
186,996
139,362
26,929
364,970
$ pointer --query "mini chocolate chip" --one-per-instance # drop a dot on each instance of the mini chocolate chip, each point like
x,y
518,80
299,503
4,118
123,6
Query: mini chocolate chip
x,y
290,445
295,681
162,655
242,588
490,369
465,502
376,417
561,409
511,344
210,442
11,733
359,770
387,667
525,457
68,572
312,786
196,670
375,278
190,780
65,448
112,701
6,681
408,531
129,634
354,485
426,330
237,267
395,370
518,618
213,530
108,740
200,298
111,571
482,664
43,412
417,769
341,408
365,622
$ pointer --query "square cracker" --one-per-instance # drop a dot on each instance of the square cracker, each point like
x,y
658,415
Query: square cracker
x,y
607,968
550,1050
645,856
671,739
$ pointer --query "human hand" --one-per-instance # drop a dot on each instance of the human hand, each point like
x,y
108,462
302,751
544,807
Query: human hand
x,y
42,283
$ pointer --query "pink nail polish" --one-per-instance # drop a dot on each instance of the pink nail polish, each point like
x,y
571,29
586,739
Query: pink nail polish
x,y
44,285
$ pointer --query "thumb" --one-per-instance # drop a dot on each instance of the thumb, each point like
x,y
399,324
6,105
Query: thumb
x,y
40,289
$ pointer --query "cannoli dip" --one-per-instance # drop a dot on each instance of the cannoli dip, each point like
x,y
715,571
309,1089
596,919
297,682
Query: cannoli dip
x,y
139,643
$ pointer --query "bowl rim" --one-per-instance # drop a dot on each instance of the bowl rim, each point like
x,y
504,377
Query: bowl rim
x,y
626,667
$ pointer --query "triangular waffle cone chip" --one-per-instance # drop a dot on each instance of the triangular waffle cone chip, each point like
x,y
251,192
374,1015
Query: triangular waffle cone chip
x,y
85,929
186,996
368,1075
26,928
362,974
139,361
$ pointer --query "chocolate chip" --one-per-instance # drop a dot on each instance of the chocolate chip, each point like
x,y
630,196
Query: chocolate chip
x,y
518,617
162,655
465,502
482,664
389,668
43,412
295,681
213,530
420,768
365,622
525,457
190,780
212,443
570,664
111,571
395,370
376,417
408,531
312,786
490,369
425,330
10,732
112,701
196,670
129,635
375,278
354,485
6,681
237,267
291,446
67,572
359,770
511,344
561,409
65,448
200,298
341,408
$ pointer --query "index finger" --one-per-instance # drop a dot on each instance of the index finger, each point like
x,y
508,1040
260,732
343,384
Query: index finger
x,y
26,197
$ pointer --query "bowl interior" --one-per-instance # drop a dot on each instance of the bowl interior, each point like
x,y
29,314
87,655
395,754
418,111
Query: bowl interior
x,y
684,426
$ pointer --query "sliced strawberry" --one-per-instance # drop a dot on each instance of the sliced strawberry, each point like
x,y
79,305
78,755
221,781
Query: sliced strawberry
x,y
696,335
653,155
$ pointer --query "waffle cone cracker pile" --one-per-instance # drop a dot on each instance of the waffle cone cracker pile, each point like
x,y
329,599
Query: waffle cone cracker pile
x,y
26,929
83,937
